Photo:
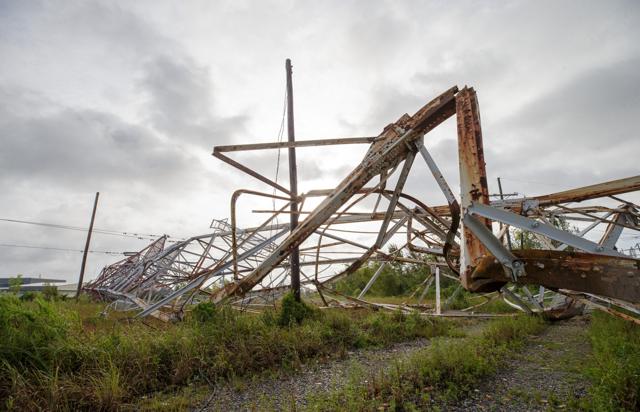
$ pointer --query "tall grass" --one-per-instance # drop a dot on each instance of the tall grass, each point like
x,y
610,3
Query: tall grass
x,y
448,368
52,358
614,367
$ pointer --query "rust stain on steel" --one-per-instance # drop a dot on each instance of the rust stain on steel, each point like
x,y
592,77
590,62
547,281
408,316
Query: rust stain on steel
x,y
581,272
387,151
613,187
473,177
250,172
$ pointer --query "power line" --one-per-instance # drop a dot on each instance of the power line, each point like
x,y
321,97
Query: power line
x,y
33,275
142,236
105,252
280,136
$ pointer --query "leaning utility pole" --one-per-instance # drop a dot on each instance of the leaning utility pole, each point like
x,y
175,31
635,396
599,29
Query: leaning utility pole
x,y
86,246
293,182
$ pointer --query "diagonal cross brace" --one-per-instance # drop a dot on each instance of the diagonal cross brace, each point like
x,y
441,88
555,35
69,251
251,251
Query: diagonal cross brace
x,y
394,198
541,228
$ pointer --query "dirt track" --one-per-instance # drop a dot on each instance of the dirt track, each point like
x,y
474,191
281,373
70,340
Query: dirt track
x,y
281,392
542,376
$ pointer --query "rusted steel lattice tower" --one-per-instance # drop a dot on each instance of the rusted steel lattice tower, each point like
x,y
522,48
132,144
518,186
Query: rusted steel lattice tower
x,y
468,238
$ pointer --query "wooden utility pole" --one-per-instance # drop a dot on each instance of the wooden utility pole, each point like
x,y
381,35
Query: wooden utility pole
x,y
293,182
86,246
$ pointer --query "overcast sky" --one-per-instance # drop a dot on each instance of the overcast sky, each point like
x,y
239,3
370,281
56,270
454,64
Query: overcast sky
x,y
128,98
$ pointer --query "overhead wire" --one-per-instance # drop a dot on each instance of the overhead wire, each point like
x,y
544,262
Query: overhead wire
x,y
142,236
280,136
106,252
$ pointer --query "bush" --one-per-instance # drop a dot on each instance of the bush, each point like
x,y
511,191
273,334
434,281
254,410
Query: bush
x,y
50,293
293,311
204,312
30,333
28,296
395,280
15,284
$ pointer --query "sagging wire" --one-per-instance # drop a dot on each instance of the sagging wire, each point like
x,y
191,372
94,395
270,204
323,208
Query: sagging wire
x,y
141,236
280,136
105,252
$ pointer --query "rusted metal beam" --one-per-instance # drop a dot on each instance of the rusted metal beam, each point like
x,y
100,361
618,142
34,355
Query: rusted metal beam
x,y
614,277
612,187
393,201
290,145
250,172
473,182
234,200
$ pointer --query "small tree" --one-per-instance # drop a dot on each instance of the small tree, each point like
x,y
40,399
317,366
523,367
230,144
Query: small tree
x,y
15,284
50,292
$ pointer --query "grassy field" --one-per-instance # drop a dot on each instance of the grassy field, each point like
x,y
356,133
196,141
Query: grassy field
x,y
66,356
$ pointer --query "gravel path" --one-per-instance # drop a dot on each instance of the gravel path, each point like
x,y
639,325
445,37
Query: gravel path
x,y
543,376
283,392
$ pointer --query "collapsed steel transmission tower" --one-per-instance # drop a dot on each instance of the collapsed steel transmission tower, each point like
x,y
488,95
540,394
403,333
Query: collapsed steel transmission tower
x,y
468,236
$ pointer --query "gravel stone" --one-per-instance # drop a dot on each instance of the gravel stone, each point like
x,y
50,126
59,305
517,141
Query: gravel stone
x,y
543,376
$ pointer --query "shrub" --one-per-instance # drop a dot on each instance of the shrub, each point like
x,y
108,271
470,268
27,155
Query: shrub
x,y
394,280
15,284
204,312
30,333
28,296
293,311
50,293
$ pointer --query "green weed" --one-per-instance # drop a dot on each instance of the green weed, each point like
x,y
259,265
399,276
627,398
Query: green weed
x,y
614,367
446,369
66,356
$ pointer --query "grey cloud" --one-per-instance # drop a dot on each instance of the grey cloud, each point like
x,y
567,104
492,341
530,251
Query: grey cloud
x,y
132,95
389,105
100,27
479,67
579,133
180,102
71,148
591,112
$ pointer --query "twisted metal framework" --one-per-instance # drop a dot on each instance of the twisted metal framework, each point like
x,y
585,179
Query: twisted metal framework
x,y
368,209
